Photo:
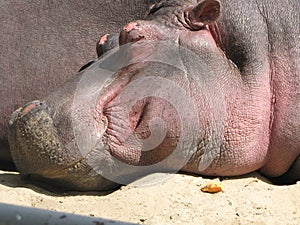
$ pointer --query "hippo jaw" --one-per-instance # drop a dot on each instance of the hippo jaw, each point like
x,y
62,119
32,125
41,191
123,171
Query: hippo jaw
x,y
41,155
32,127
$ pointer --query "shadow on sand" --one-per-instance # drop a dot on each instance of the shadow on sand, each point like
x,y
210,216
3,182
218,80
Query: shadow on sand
x,y
14,180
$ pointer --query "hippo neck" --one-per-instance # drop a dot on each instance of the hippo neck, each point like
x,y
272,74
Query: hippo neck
x,y
241,112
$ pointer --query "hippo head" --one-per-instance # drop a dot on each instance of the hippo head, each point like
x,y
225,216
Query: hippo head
x,y
98,122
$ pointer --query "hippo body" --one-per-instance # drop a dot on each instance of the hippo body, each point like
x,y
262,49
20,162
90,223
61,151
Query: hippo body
x,y
43,43
240,71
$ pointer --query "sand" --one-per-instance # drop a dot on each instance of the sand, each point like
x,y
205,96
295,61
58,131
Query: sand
x,y
250,199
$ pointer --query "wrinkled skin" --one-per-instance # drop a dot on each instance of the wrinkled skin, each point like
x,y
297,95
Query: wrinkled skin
x,y
43,43
252,52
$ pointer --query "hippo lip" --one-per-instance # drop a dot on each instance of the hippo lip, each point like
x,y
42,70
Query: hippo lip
x,y
35,143
41,155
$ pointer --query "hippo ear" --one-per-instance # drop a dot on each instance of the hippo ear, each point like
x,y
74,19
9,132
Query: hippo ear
x,y
203,14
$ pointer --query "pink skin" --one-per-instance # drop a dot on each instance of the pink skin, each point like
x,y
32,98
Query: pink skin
x,y
103,39
131,26
249,157
285,142
260,148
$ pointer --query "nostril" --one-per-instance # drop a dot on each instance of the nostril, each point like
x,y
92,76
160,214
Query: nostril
x,y
132,32
131,26
103,39
106,43
100,45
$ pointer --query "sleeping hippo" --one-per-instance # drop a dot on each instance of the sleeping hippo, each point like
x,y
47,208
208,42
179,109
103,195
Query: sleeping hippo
x,y
43,43
207,87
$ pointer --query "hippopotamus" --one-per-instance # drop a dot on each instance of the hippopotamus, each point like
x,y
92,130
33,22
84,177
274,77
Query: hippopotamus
x,y
43,43
203,86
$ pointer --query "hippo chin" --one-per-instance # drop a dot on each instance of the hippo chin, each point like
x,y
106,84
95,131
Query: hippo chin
x,y
206,87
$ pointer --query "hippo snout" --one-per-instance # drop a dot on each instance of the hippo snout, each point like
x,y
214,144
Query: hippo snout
x,y
40,153
33,136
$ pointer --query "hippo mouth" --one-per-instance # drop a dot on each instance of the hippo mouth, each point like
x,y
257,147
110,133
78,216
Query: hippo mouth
x,y
37,149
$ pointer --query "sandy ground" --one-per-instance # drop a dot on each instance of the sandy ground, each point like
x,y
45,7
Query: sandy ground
x,y
245,200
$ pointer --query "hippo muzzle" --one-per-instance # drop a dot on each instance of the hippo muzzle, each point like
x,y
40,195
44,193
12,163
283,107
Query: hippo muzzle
x,y
32,127
40,153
